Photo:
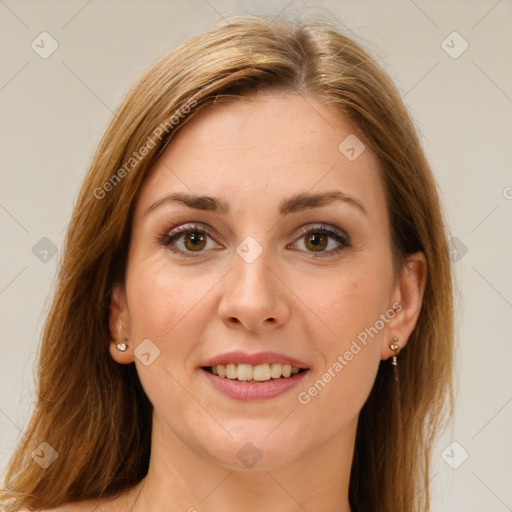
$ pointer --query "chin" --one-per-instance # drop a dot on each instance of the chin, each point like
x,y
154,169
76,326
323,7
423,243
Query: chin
x,y
255,446
260,455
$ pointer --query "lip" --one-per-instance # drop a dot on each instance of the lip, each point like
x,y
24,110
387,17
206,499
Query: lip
x,y
254,359
250,392
246,391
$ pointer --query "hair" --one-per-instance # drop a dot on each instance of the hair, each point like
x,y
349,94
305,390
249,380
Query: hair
x,y
93,411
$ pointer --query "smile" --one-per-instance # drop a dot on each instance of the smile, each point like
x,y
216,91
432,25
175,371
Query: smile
x,y
254,373
253,377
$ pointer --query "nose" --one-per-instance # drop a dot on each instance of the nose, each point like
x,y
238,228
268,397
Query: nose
x,y
253,298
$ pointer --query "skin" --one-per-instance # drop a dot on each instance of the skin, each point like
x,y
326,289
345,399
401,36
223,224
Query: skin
x,y
253,153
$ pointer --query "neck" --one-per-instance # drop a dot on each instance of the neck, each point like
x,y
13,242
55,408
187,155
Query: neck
x,y
182,479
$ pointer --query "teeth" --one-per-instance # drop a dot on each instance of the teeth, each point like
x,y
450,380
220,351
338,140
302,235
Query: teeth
x,y
231,372
275,371
259,372
286,370
244,372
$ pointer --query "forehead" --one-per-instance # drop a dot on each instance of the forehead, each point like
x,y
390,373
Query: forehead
x,y
264,148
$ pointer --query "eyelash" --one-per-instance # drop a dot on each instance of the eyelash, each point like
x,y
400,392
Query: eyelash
x,y
169,237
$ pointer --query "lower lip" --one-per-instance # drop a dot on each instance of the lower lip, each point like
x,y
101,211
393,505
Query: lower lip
x,y
247,392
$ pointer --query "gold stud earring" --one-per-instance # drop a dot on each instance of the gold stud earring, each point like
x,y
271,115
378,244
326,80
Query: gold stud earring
x,y
395,347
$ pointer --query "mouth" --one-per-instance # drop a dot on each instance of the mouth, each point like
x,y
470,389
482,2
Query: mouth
x,y
254,374
254,377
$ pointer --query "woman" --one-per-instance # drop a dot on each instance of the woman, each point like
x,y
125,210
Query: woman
x,y
254,309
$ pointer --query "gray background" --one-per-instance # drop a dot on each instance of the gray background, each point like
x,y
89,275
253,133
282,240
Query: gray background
x,y
54,111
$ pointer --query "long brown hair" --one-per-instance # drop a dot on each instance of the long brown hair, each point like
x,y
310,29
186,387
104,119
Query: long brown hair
x,y
93,412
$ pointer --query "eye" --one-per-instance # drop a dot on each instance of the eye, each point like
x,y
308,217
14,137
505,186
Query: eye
x,y
191,240
188,239
322,240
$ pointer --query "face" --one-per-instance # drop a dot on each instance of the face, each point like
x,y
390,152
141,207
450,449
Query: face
x,y
256,242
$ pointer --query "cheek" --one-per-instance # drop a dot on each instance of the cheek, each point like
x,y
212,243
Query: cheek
x,y
352,308
351,302
162,301
167,307
350,352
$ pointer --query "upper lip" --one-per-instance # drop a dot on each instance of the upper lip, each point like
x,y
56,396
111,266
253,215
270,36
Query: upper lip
x,y
254,359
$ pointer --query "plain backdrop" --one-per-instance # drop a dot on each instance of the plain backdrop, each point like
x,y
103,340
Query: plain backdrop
x,y
55,109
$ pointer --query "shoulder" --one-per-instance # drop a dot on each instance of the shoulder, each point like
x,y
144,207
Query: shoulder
x,y
79,506
116,503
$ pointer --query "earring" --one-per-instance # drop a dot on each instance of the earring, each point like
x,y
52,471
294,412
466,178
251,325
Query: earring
x,y
395,347
121,347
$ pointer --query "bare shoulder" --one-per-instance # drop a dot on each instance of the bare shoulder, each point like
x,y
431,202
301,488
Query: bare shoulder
x,y
81,506
116,503
71,507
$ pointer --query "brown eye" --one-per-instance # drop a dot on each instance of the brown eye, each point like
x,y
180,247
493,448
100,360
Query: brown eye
x,y
316,241
321,241
194,241
189,240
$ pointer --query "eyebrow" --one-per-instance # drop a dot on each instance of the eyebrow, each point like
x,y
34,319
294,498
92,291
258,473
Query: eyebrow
x,y
295,203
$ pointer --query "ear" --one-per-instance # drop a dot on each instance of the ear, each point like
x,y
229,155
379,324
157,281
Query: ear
x,y
407,299
119,327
